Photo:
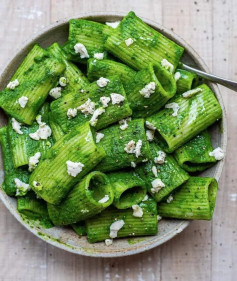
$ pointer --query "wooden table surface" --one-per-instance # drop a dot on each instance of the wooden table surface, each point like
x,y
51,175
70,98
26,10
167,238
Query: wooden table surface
x,y
206,250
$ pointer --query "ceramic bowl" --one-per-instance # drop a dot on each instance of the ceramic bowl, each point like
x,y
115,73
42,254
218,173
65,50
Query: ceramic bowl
x,y
66,238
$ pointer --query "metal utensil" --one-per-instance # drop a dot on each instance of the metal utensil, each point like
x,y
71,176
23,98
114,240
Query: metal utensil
x,y
225,82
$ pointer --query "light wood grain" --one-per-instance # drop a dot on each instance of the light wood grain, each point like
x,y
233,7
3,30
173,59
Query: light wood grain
x,y
206,250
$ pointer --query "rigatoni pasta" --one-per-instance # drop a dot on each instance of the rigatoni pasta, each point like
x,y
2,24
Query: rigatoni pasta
x,y
193,200
99,228
137,44
111,146
37,74
66,162
101,103
195,111
88,198
161,173
194,155
124,144
128,188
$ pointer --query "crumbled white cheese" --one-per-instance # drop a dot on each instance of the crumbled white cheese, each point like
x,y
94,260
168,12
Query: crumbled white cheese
x,y
87,108
115,227
148,90
71,112
42,133
218,153
116,98
124,123
81,49
13,84
159,218
160,159
105,101
150,126
145,198
174,106
150,134
55,92
157,185
108,242
23,101
129,41
21,187
167,65
16,126
113,24
33,161
138,148
154,171
74,168
130,147
144,160
170,199
133,164
99,56
104,199
82,91
84,211
191,93
102,82
99,137
133,147
62,81
177,76
137,211
96,114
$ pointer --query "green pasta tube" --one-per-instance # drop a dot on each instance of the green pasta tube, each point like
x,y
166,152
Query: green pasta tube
x,y
192,113
79,228
10,173
57,131
86,106
150,89
99,227
25,145
193,200
89,197
124,147
147,90
29,87
75,80
137,44
34,208
90,35
194,156
107,68
128,188
65,163
161,173
185,80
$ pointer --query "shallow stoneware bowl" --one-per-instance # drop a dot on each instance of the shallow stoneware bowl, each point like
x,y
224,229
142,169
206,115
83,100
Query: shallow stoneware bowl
x,y
65,238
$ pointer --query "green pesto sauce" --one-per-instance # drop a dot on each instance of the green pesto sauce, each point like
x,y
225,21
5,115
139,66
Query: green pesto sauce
x,y
133,241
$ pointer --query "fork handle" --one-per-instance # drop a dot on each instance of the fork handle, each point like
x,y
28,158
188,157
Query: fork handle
x,y
225,82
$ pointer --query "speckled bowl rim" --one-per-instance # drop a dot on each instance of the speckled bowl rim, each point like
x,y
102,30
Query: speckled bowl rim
x,y
144,245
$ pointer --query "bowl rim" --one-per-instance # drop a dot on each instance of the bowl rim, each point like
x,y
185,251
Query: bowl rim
x,y
198,60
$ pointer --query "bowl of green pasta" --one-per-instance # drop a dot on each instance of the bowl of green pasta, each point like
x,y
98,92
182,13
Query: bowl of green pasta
x,y
109,147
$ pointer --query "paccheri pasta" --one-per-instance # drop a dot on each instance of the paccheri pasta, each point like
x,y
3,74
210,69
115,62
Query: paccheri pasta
x,y
109,151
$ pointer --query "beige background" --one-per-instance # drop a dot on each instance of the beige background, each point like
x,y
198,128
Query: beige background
x,y
206,250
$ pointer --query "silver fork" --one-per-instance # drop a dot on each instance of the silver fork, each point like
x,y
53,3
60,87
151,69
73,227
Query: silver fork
x,y
213,78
